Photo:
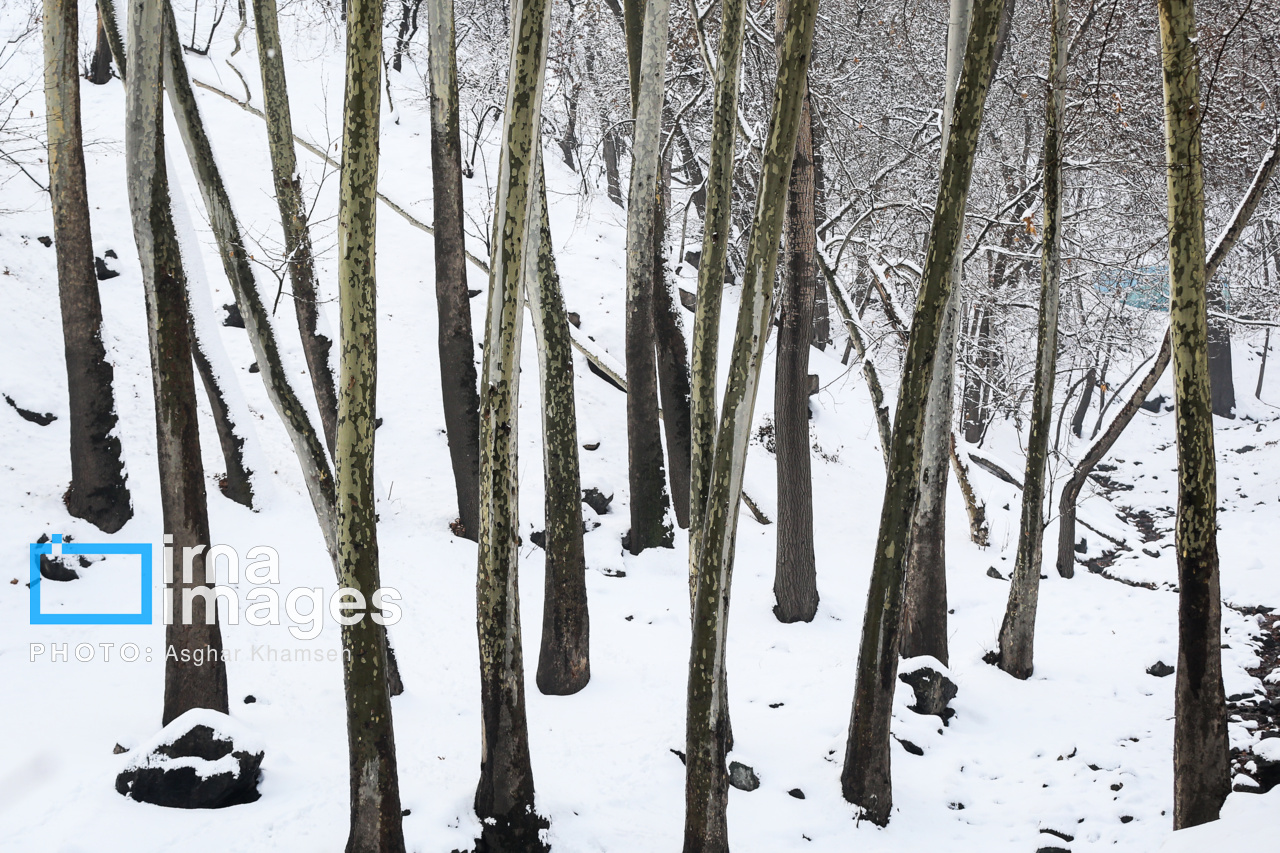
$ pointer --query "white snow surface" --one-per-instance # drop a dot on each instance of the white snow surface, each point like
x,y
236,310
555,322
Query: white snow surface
x,y
1082,745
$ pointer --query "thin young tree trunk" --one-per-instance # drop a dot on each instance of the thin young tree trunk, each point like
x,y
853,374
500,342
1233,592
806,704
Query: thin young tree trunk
x,y
1100,448
100,65
865,779
292,205
505,796
238,484
453,306
924,630
1222,381
706,728
646,472
711,271
1201,769
98,492
1017,634
187,684
107,15
795,580
1262,367
235,262
375,787
564,661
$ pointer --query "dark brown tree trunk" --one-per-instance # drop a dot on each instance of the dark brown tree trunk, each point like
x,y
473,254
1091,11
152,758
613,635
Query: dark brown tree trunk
x,y
672,361
795,581
238,484
187,684
1201,767
1086,398
100,66
453,307
1222,383
98,492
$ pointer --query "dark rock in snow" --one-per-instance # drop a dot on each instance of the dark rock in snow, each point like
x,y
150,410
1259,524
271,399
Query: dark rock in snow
x,y
45,241
934,691
1053,850
250,699
1044,830
118,750
57,569
253,368
574,318
1159,669
194,763
539,538
1082,546
234,319
101,269
993,572
33,417
595,445
797,793
597,500
472,294
689,299
678,754
910,747
110,253
1155,404
743,777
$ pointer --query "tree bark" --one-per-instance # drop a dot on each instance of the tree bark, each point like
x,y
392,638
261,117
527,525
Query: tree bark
x,y
110,28
924,630
1017,634
646,472
717,225
100,65
564,660
292,205
98,492
707,729
505,796
1201,770
375,788
1222,383
1098,451
795,580
238,483
865,779
672,358
187,684
453,306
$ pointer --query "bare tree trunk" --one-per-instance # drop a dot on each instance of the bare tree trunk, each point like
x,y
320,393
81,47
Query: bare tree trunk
x,y
293,215
1086,397
1222,383
795,580
187,684
1096,453
100,65
98,492
865,779
1017,634
1201,769
564,660
375,787
238,484
646,472
453,306
707,726
717,225
673,387
505,796
111,29
924,630
1262,367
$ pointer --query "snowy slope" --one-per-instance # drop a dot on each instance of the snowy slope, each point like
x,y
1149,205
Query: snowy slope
x,y
1083,748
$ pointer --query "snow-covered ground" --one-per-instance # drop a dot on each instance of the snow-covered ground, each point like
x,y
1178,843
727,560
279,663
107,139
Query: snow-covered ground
x,y
1083,748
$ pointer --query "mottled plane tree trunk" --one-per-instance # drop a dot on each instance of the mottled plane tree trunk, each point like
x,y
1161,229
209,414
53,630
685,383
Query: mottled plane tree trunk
x,y
505,796
924,606
375,787
795,579
1201,768
98,492
453,306
717,225
564,661
292,205
865,778
187,684
646,472
707,722
1096,453
1016,641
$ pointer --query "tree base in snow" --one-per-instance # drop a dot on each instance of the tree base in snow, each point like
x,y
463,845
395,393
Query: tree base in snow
x,y
192,765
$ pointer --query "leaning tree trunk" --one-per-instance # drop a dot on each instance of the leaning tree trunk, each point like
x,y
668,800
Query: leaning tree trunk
x,y
1226,241
375,787
1201,769
1017,634
453,305
645,470
564,661
98,492
111,29
795,579
865,779
187,684
924,616
292,205
505,796
672,358
711,272
707,723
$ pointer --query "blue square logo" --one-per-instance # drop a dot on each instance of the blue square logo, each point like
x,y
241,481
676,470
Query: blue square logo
x,y
58,547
